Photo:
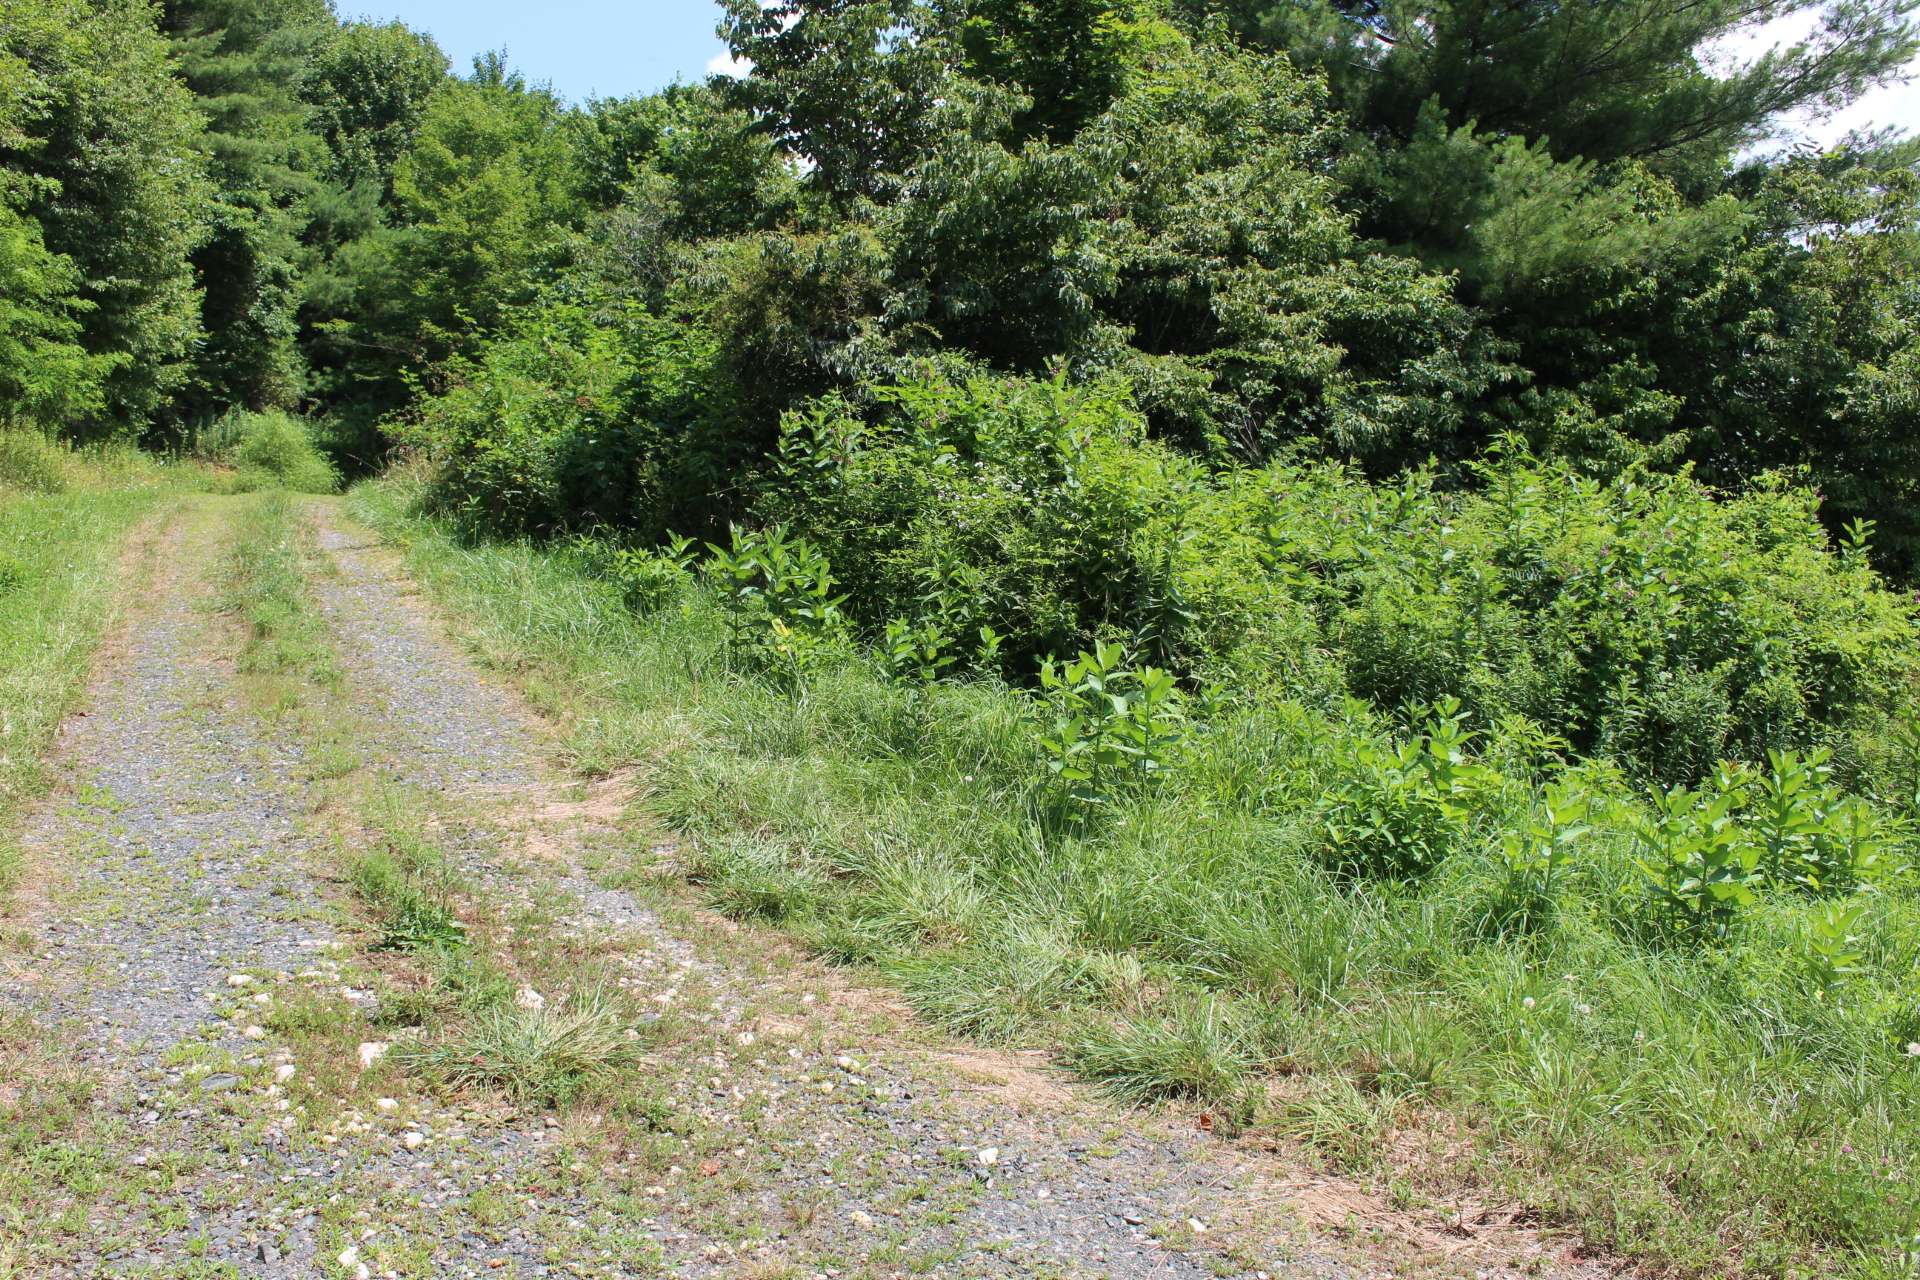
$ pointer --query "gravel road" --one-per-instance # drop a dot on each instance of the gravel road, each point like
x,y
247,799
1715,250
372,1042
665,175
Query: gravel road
x,y
791,1124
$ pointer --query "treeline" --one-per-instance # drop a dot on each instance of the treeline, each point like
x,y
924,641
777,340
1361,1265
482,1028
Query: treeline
x,y
1380,233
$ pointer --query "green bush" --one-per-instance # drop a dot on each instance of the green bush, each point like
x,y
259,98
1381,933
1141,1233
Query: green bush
x,y
1396,811
269,450
1626,618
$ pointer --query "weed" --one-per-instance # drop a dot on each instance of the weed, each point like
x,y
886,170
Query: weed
x,y
548,1055
1104,724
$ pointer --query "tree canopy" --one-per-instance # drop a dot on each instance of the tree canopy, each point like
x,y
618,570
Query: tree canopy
x,y
1383,232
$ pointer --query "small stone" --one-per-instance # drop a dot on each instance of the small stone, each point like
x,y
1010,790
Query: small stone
x,y
1132,1219
239,979
283,1072
255,1033
1196,1226
371,1051
861,1219
988,1156
413,1139
350,1256
385,1104
267,1253
529,999
219,1082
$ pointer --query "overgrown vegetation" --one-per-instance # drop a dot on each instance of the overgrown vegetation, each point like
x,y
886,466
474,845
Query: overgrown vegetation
x,y
1678,1015
270,450
1348,561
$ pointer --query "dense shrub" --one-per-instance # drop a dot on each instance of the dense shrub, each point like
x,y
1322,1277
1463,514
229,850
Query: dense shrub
x,y
533,436
1645,619
1001,520
270,450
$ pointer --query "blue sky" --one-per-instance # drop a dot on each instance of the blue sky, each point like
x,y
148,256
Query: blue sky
x,y
587,48
608,48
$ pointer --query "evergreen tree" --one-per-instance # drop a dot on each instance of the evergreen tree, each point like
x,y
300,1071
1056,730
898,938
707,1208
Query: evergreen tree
x,y
103,159
245,61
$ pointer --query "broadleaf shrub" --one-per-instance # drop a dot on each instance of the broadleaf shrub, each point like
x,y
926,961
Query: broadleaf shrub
x,y
1644,619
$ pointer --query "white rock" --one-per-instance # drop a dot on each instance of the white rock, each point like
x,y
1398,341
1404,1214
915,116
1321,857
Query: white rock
x,y
385,1104
283,1072
528,998
255,1033
413,1139
988,1155
371,1051
350,1255
239,979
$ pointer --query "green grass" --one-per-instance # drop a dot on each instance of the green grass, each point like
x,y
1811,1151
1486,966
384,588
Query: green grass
x,y
1715,1107
548,1055
266,584
64,515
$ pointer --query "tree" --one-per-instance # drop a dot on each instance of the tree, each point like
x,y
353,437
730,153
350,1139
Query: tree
x,y
1070,58
484,206
46,377
1616,81
368,87
245,60
850,86
103,158
721,175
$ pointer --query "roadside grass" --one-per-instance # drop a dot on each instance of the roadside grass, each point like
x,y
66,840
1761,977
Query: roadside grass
x,y
64,515
1728,1108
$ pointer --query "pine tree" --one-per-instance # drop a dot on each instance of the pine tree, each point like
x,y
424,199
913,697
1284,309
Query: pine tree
x,y
245,61
101,166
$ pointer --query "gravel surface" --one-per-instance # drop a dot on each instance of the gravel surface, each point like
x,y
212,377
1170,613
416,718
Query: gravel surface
x,y
788,1125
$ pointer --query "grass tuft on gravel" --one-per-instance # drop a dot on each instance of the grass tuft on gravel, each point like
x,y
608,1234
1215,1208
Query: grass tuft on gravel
x,y
550,1054
287,645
